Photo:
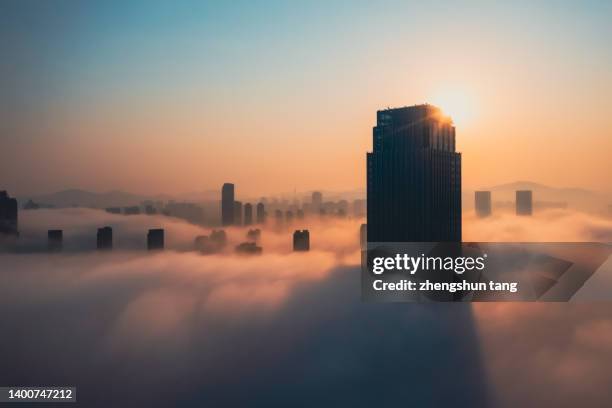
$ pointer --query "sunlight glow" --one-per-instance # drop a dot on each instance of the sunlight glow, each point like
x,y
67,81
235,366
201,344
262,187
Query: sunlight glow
x,y
456,103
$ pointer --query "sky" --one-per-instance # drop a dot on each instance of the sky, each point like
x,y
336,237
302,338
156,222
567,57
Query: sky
x,y
171,97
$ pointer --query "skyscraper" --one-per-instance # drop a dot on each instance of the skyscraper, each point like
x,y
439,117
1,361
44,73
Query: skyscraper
x,y
55,240
317,200
248,214
155,239
237,213
482,203
104,238
524,202
414,177
261,213
301,240
227,204
8,214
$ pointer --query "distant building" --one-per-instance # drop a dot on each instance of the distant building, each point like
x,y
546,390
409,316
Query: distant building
x,y
113,210
300,214
413,177
31,205
524,202
189,212
249,248
55,240
133,210
482,203
219,238
248,214
316,201
301,240
205,245
278,216
8,214
155,239
237,213
289,217
150,210
261,213
104,238
227,204
254,235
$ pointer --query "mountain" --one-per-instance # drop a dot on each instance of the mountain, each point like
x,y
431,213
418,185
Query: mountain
x,y
82,198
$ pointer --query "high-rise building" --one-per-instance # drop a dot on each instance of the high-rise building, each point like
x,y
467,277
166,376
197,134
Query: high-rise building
x,y
8,214
219,237
227,204
414,177
301,240
55,240
482,203
317,200
261,213
254,235
288,217
237,213
278,217
248,214
155,239
524,202
300,214
104,238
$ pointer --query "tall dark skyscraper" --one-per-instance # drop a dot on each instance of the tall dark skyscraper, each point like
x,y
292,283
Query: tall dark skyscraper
x,y
301,240
414,177
482,203
524,202
8,214
227,204
155,239
248,214
237,212
55,240
104,238
261,213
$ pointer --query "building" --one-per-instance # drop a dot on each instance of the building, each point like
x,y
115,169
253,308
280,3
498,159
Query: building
x,y
219,238
133,210
261,213
227,204
155,239
301,240
414,177
237,213
300,214
524,202
248,214
278,216
482,203
289,216
104,238
254,235
316,201
8,214
55,240
249,248
205,245
363,236
359,208
113,210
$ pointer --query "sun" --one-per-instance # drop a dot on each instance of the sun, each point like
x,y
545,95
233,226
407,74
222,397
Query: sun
x,y
456,103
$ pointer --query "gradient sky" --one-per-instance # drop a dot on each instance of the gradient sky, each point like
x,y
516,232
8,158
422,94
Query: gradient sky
x,y
182,96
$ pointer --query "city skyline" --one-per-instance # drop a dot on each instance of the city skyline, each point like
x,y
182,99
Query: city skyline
x,y
195,103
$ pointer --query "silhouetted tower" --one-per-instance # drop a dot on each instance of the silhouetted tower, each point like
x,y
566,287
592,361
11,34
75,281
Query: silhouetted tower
x,y
227,204
524,202
261,213
363,236
155,239
237,213
317,200
301,240
55,240
104,238
8,214
414,177
248,214
482,203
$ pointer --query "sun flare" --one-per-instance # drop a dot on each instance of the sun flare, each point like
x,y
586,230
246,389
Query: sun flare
x,y
456,103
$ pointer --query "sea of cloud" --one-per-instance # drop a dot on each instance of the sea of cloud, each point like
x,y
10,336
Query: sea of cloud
x,y
282,327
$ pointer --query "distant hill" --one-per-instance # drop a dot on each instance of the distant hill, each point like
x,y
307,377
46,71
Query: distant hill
x,y
82,198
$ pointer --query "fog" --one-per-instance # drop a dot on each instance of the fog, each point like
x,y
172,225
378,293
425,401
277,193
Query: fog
x,y
175,327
